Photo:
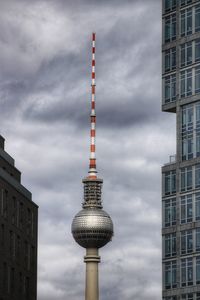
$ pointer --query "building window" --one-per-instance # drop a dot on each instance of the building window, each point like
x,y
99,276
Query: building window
x,y
14,210
190,20
197,107
170,182
170,298
18,247
187,297
29,221
1,202
4,203
169,5
188,276
170,28
21,215
186,83
170,212
27,255
32,257
12,280
198,240
20,283
190,82
185,2
170,274
197,80
197,269
197,50
5,278
187,132
186,54
32,223
186,179
186,242
197,18
170,244
186,22
197,176
186,209
186,272
198,296
170,59
170,88
27,287
197,206
2,235
191,131
12,243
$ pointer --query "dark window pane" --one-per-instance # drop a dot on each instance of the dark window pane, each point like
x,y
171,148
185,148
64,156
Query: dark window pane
x,y
183,23
197,80
189,21
167,5
189,53
197,18
197,50
167,89
167,29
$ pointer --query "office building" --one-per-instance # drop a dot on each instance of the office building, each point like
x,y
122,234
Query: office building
x,y
18,234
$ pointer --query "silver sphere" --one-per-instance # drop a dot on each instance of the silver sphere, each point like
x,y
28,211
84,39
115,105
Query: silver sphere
x,y
92,228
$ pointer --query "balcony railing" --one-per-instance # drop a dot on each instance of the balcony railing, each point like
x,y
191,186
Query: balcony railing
x,y
172,160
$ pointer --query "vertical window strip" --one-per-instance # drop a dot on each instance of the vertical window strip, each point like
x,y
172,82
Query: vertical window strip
x,y
186,209
169,5
197,18
170,274
170,244
170,28
170,182
169,212
170,88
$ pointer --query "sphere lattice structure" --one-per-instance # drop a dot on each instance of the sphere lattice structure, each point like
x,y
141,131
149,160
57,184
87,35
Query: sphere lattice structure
x,y
92,228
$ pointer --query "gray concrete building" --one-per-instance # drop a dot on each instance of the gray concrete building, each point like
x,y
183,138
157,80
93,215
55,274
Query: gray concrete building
x,y
18,234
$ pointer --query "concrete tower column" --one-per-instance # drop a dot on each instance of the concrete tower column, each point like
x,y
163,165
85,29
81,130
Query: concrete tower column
x,y
92,260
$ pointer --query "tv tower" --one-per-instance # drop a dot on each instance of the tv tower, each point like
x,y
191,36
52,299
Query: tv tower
x,y
92,227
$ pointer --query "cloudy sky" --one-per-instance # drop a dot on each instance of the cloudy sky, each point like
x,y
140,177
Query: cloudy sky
x,y
45,69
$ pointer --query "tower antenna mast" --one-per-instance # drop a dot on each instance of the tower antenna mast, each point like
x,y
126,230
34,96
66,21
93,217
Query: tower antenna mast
x,y
92,166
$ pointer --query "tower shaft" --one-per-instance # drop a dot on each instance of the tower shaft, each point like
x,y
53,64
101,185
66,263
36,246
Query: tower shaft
x,y
92,260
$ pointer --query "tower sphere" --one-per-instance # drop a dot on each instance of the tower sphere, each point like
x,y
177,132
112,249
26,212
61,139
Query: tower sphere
x,y
92,228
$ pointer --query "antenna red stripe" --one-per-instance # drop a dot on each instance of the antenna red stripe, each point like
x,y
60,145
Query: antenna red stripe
x,y
92,148
92,132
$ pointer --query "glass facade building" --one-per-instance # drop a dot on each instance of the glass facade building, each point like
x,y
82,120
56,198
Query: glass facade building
x,y
181,176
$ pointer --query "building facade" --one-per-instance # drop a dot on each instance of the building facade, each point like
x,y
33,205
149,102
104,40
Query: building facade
x,y
18,234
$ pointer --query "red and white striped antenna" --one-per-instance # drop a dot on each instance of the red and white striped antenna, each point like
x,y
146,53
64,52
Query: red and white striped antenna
x,y
92,167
